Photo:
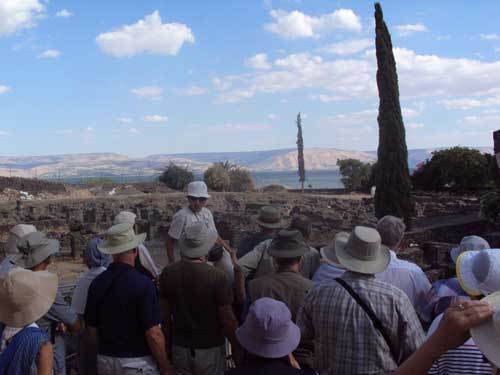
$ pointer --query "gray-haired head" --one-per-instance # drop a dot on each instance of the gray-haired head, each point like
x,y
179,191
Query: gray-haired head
x,y
392,230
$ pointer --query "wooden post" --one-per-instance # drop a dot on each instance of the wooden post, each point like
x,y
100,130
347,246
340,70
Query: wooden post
x,y
496,141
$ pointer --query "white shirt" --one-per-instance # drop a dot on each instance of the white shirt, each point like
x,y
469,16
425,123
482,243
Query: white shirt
x,y
410,278
79,299
185,217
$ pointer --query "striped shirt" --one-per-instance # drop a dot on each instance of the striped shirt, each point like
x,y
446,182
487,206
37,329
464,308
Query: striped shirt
x,y
346,342
464,360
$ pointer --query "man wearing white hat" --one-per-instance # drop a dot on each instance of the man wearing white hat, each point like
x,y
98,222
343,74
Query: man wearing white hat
x,y
37,251
197,195
196,303
123,312
360,325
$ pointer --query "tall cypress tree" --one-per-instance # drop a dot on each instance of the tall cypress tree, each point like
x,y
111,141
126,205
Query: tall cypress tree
x,y
392,180
300,152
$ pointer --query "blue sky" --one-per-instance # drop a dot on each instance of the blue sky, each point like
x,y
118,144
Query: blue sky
x,y
146,77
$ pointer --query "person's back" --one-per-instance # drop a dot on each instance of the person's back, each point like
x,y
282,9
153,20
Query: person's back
x,y
195,291
248,243
121,304
346,341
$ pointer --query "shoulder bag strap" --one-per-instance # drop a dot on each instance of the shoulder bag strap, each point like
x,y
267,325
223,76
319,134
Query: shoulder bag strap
x,y
376,321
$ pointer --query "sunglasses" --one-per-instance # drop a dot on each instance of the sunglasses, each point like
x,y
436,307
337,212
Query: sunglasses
x,y
199,199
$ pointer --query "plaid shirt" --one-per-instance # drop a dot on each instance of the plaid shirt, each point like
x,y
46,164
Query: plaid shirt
x,y
345,339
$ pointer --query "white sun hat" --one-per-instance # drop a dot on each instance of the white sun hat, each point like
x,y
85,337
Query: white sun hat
x,y
121,238
478,271
487,335
467,244
197,189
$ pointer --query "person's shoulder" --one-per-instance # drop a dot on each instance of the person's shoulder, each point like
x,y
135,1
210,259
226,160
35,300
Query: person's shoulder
x,y
206,211
184,211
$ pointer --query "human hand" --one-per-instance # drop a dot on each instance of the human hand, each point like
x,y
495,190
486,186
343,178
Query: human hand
x,y
293,361
454,328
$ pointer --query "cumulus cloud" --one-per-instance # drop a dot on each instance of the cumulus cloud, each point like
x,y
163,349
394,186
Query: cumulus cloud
x,y
4,89
272,116
487,120
259,61
469,103
134,131
295,24
364,117
490,36
155,118
148,92
49,54
64,13
348,47
414,125
18,15
124,120
147,35
192,91
409,29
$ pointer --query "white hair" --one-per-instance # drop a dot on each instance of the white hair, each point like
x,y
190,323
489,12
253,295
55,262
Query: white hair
x,y
391,229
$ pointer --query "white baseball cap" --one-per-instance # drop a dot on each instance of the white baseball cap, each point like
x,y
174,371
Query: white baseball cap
x,y
197,189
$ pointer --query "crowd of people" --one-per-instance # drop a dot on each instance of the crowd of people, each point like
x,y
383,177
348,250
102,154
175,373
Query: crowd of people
x,y
272,305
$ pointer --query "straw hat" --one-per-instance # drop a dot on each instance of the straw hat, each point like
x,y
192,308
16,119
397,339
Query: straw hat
x,y
120,238
477,271
487,335
362,251
35,247
287,244
26,296
125,217
467,244
268,330
197,189
269,217
197,240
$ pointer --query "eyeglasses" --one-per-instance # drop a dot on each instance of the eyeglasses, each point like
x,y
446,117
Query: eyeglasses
x,y
199,199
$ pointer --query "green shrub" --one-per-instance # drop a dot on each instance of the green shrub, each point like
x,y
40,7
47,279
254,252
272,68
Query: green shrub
x,y
356,175
490,207
217,178
176,177
240,178
460,168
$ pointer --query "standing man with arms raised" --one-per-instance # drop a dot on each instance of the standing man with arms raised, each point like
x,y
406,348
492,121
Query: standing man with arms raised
x,y
197,194
123,312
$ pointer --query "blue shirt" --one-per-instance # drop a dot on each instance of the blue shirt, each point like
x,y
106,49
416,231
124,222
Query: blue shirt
x,y
122,304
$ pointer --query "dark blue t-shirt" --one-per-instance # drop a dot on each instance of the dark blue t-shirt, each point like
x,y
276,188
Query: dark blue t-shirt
x,y
122,304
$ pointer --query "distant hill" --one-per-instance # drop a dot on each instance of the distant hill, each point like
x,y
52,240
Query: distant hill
x,y
110,164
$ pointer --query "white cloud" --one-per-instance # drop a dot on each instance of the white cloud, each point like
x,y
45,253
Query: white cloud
x,y
326,98
295,24
64,13
148,92
414,125
192,91
411,29
244,127
146,35
272,116
4,133
134,131
488,120
4,89
490,36
155,118
259,61
410,112
364,117
349,47
50,54
19,14
124,120
469,103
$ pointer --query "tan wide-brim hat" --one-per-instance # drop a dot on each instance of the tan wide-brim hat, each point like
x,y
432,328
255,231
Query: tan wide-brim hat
x,y
269,217
35,247
362,251
328,254
197,240
121,238
26,296
487,335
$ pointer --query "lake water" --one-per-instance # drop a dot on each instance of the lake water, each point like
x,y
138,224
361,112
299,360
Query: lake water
x,y
290,179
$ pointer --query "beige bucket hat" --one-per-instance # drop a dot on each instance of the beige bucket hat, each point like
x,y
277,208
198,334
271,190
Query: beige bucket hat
x,y
35,247
120,238
125,217
487,335
197,240
362,251
269,217
328,254
15,234
26,296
